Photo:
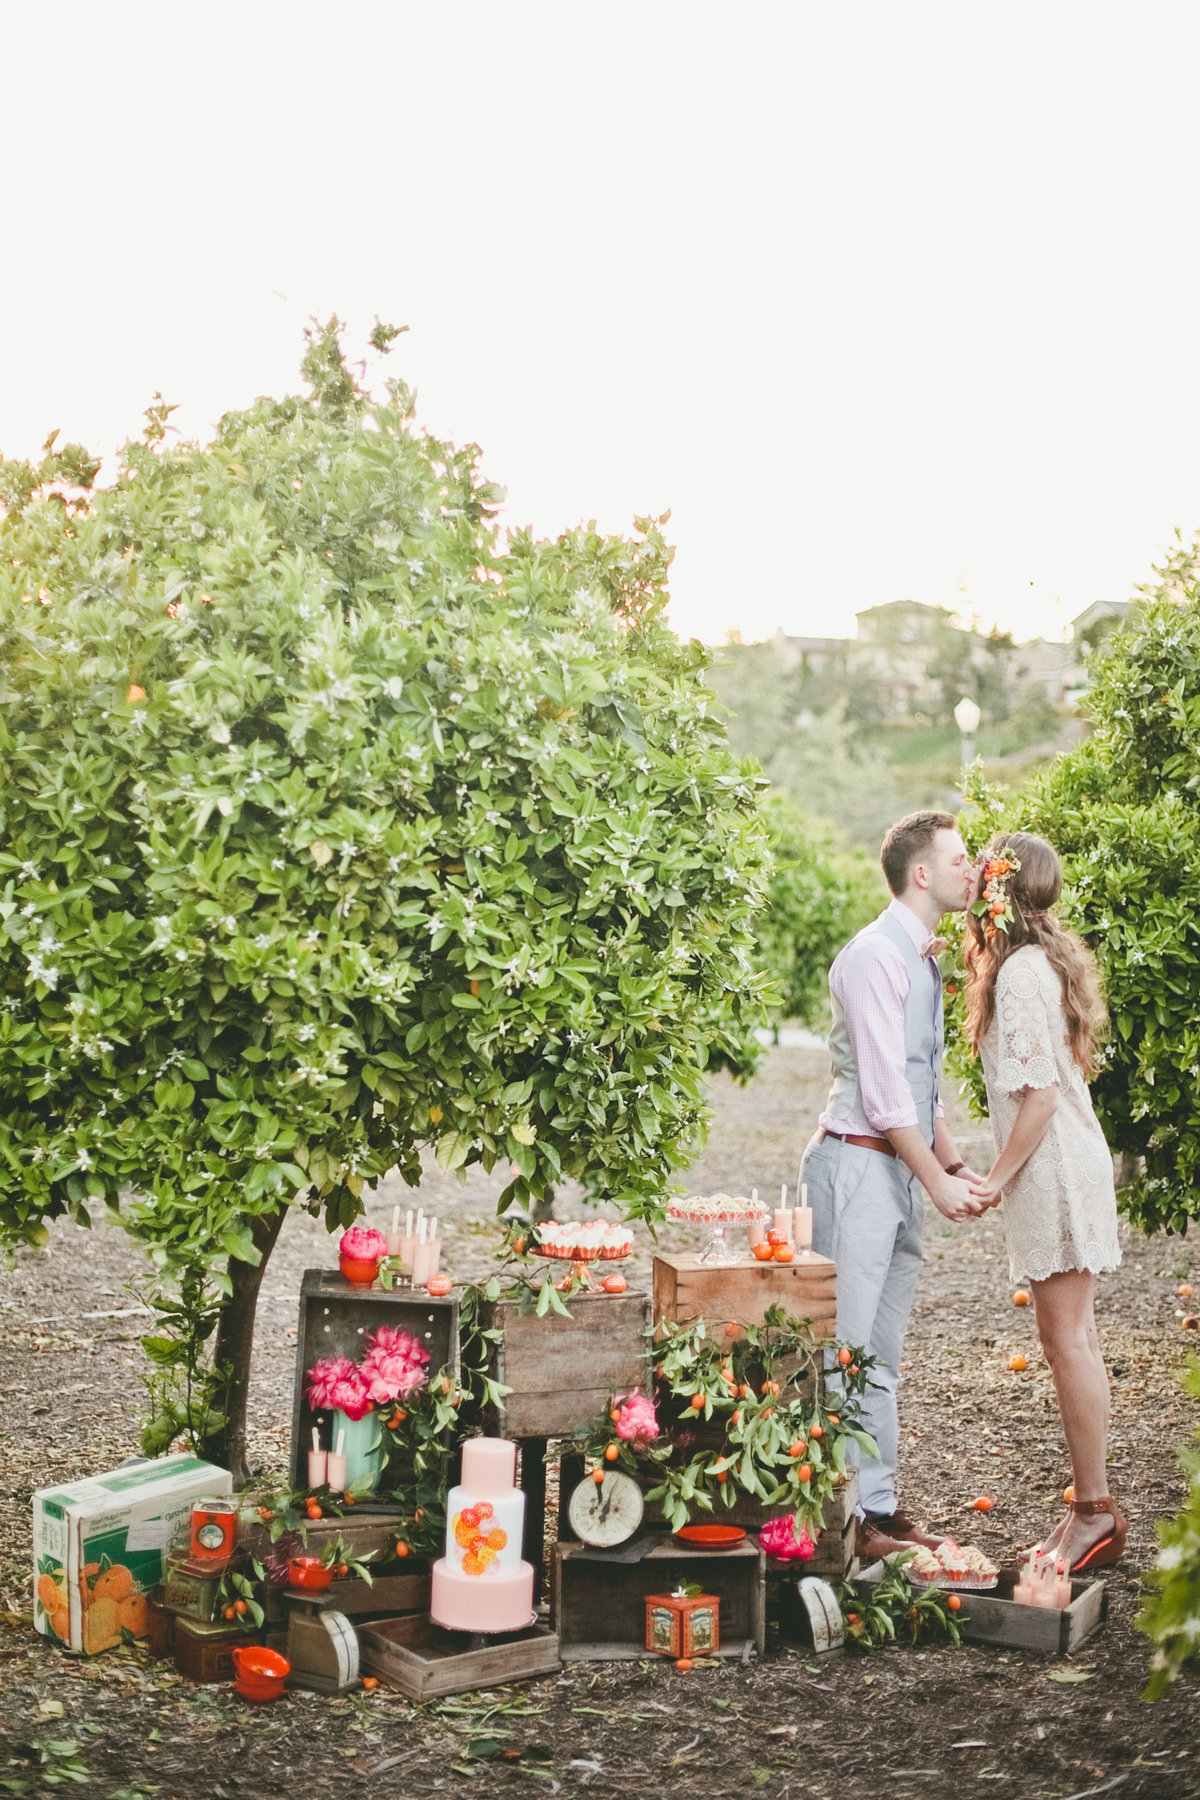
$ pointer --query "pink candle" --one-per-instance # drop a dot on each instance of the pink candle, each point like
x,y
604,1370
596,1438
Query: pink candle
x,y
802,1225
335,1466
783,1221
395,1237
318,1471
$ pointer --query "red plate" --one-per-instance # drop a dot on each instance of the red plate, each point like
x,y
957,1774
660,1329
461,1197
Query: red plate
x,y
710,1537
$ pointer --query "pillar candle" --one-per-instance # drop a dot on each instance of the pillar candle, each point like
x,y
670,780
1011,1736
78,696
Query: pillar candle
x,y
421,1269
395,1237
783,1221
756,1228
318,1471
335,1466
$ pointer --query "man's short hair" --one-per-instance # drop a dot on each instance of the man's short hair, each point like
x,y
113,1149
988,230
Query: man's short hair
x,y
907,841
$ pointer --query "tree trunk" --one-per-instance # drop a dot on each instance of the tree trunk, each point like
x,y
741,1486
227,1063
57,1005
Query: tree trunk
x,y
235,1340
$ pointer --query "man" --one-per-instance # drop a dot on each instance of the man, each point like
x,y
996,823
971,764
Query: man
x,y
883,1137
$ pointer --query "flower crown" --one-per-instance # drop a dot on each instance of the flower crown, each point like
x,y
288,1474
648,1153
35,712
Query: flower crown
x,y
995,902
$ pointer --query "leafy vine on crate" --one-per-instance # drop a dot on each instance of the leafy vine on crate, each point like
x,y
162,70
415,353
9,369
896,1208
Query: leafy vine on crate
x,y
773,1442
1171,1617
892,1610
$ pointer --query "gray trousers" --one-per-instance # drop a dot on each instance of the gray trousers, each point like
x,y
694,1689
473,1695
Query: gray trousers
x,y
869,1216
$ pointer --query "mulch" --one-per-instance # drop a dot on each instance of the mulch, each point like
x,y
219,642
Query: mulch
x,y
927,1722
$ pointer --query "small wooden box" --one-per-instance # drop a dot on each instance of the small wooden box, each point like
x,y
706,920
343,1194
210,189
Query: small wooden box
x,y
835,1541
365,1534
598,1605
563,1371
387,1593
160,1627
204,1653
806,1289
336,1318
683,1624
421,1660
994,1617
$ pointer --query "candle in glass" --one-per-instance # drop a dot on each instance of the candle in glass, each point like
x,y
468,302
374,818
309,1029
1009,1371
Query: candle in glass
x,y
421,1270
395,1237
317,1460
435,1249
756,1228
335,1466
802,1222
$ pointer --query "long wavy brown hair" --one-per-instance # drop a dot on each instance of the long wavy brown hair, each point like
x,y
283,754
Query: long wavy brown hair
x,y
1033,890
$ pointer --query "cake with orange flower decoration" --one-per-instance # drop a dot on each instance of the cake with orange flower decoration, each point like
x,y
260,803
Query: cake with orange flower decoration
x,y
481,1584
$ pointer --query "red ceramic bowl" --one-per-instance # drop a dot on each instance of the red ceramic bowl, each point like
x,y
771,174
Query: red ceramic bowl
x,y
260,1673
357,1272
711,1537
308,1574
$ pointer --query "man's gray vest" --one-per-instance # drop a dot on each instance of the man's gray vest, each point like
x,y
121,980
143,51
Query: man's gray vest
x,y
922,1036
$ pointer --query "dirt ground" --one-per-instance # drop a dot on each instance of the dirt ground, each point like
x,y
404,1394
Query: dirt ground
x,y
935,1722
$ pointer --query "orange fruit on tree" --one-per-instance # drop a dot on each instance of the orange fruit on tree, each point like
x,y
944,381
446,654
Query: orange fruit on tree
x,y
804,1472
598,1476
402,1548
347,1500
612,1452
1020,1298
697,1401
983,1504
341,1570
953,1602
722,1474
854,1368
833,1418
264,1513
816,1430
796,1447
229,1613
1017,1363
845,1357
239,1607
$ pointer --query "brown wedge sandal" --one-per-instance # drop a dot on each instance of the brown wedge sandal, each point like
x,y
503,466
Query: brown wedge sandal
x,y
1105,1550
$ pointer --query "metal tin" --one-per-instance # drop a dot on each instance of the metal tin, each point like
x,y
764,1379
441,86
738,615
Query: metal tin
x,y
214,1530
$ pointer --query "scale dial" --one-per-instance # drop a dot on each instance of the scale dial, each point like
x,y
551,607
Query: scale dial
x,y
606,1513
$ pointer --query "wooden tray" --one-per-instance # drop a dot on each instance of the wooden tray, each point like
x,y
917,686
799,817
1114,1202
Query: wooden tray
x,y
995,1618
806,1289
419,1659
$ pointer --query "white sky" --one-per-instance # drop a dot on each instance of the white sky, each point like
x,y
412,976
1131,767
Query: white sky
x,y
881,299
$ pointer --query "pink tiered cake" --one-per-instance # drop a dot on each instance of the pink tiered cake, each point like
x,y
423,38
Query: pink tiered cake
x,y
481,1584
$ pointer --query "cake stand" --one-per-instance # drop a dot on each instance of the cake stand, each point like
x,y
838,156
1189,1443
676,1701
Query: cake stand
x,y
580,1257
716,1211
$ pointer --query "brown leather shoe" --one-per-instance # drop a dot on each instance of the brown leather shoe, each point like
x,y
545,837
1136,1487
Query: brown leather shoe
x,y
899,1526
871,1543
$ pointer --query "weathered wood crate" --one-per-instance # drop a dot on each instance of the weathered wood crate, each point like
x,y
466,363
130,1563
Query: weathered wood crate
x,y
835,1541
336,1317
418,1658
365,1534
387,1593
725,1297
598,1601
562,1371
994,1617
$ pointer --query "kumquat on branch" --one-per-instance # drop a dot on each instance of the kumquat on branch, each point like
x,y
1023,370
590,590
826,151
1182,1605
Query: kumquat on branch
x,y
749,1418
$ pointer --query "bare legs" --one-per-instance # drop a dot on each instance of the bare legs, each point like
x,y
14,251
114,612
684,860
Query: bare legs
x,y
1067,1327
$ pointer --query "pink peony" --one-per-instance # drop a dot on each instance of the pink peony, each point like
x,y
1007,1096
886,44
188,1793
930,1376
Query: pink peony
x,y
363,1244
394,1366
637,1420
337,1383
778,1538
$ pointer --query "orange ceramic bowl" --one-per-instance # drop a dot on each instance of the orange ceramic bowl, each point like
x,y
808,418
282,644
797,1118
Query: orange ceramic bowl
x,y
357,1272
308,1574
711,1537
260,1673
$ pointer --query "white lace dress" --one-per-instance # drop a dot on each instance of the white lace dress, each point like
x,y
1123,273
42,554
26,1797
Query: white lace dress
x,y
1060,1211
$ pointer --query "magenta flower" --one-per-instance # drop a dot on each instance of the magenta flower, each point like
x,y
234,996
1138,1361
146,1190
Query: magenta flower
x,y
337,1383
394,1366
778,1538
363,1244
637,1420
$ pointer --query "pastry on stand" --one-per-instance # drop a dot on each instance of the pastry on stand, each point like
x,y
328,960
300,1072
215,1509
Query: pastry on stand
x,y
481,1584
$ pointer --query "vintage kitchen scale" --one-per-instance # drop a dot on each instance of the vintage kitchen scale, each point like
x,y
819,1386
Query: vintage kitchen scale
x,y
606,1513
322,1645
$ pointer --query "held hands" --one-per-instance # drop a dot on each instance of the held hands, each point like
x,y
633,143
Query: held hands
x,y
955,1198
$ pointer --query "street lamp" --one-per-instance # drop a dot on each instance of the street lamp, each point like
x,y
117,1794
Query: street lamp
x,y
967,716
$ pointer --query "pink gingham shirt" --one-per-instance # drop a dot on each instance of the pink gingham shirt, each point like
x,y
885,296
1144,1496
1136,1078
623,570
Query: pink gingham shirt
x,y
870,978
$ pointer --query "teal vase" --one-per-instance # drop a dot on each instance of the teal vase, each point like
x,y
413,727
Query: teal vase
x,y
362,1447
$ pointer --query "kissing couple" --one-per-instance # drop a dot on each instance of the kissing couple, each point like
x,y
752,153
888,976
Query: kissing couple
x,y
1033,1016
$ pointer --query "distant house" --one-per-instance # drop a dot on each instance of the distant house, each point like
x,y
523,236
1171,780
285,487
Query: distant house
x,y
816,655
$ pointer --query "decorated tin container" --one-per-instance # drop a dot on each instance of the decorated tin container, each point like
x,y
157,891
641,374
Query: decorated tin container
x,y
214,1530
683,1624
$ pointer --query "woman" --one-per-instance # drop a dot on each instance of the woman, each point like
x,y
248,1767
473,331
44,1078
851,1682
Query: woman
x,y
1033,1013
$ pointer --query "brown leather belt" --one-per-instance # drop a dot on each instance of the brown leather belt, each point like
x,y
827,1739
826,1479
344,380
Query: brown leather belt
x,y
863,1143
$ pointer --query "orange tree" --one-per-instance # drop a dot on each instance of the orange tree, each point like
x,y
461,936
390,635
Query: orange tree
x,y
332,828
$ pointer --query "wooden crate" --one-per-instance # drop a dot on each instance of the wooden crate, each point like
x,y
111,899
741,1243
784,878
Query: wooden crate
x,y
994,1617
598,1602
806,1289
421,1660
336,1317
387,1593
365,1534
563,1371
204,1653
835,1543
